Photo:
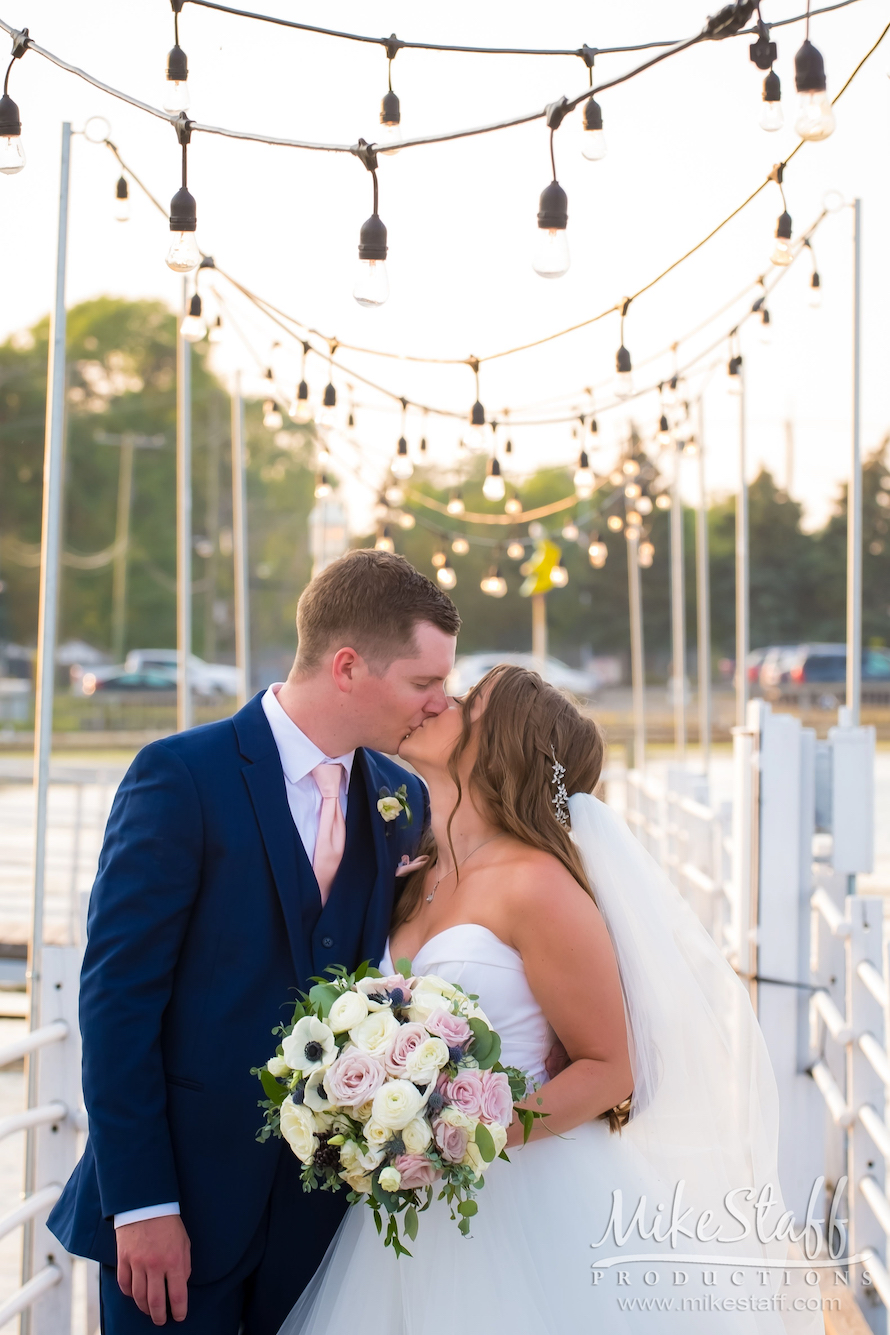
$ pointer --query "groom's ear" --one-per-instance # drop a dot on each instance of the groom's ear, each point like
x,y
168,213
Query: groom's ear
x,y
347,667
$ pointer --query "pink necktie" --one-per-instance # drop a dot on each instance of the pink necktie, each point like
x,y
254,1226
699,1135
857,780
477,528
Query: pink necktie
x,y
331,839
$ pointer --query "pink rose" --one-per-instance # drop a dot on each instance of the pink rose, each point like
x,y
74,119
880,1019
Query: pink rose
x,y
497,1101
452,1141
353,1078
391,983
465,1092
452,1029
408,1038
416,1170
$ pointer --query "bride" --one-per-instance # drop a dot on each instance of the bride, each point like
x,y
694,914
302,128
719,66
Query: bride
x,y
642,1191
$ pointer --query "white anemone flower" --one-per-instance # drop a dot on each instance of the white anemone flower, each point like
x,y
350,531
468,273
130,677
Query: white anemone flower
x,y
310,1046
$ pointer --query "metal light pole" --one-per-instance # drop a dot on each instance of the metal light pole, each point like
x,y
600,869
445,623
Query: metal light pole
x,y
121,545
46,646
678,611
183,523
854,493
703,601
637,658
239,545
742,560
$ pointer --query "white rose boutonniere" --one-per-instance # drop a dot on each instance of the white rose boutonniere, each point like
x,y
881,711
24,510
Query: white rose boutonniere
x,y
391,805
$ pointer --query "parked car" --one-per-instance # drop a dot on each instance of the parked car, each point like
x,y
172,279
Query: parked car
x,y
815,675
774,667
470,668
102,679
207,679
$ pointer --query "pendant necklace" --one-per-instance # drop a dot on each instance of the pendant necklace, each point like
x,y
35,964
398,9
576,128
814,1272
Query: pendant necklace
x,y
491,838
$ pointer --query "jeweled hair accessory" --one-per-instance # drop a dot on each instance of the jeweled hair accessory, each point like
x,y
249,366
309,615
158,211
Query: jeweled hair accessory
x,y
560,798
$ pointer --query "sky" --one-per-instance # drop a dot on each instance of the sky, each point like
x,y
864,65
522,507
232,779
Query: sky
x,y
684,149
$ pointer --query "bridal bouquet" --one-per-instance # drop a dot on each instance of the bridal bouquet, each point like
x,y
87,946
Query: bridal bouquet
x,y
388,1086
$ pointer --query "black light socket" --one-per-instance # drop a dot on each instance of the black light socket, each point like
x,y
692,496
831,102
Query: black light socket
x,y
477,414
390,111
735,365
508,448
593,115
772,88
122,190
195,305
330,396
10,122
763,52
594,428
583,461
494,468
622,361
402,447
765,317
663,424
553,208
372,239
816,281
783,226
302,392
183,212
809,69
177,65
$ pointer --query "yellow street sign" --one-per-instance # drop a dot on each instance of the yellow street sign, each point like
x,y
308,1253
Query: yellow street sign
x,y
539,568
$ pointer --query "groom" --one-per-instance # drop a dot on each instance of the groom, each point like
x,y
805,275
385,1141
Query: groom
x,y
241,858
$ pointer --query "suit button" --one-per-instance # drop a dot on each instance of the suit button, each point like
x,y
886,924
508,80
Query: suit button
x,y
327,942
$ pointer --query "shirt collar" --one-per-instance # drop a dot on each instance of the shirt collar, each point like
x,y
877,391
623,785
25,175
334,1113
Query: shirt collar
x,y
299,755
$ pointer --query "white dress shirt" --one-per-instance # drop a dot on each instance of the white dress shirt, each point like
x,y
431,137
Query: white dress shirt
x,y
298,756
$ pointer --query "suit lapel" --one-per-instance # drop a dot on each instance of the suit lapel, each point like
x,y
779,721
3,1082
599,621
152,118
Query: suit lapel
x,y
376,926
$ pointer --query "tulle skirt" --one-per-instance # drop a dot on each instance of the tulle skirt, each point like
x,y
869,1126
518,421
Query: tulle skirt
x,y
530,1264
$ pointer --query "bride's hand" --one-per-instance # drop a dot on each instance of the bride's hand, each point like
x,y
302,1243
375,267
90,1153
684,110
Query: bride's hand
x,y
557,1060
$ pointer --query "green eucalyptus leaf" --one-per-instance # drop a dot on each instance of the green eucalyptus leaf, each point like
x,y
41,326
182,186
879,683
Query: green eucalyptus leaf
x,y
467,1209
323,995
411,1223
484,1142
403,966
277,1093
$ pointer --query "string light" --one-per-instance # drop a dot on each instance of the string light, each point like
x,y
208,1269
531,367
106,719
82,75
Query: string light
x,y
446,576
815,119
439,559
493,583
176,90
394,494
402,467
390,107
493,488
584,481
734,374
12,155
515,550
633,519
323,486
216,334
272,419
815,290
633,490
460,547
193,329
663,501
122,200
299,410
781,250
593,141
615,523
559,577
645,554
644,505
598,553
183,255
455,504
630,468
766,326
407,520
551,257
384,541
623,365
513,505
663,435
771,117
372,284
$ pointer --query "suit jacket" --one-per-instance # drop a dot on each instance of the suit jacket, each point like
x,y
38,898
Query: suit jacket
x,y
204,919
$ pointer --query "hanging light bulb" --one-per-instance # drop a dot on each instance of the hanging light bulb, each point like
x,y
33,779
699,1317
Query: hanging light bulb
x,y
616,477
193,328
551,257
630,468
460,546
455,504
381,508
12,155
815,119
394,494
323,486
615,523
633,490
439,559
508,448
272,419
663,501
598,553
445,576
330,395
384,541
734,374
493,488
645,553
176,89
633,519
407,520
513,505
183,255
771,117
782,255
624,369
402,467
493,583
584,481
299,410
477,425
663,435
326,416
371,284
515,550
593,141
559,577
669,392
815,290
644,505
122,200
391,124
216,334
766,326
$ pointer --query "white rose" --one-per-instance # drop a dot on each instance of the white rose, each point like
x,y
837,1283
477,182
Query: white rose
x,y
423,1003
376,1134
373,1033
390,1179
315,1094
355,1160
473,1156
298,1129
349,1009
426,1061
498,1134
431,982
454,1117
417,1135
277,1066
396,1104
360,1182
310,1045
363,1113
473,1159
389,807
471,1011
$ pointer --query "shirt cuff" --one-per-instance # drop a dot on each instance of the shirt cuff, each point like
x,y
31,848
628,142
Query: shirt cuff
x,y
148,1212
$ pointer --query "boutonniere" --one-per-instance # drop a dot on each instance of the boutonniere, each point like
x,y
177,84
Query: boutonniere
x,y
390,805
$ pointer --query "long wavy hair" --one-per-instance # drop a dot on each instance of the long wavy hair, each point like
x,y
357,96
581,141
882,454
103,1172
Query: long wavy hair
x,y
525,723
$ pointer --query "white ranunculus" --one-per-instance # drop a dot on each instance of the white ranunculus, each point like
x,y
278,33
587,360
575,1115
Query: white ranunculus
x,y
314,1093
298,1129
417,1135
374,1032
454,1117
376,1134
426,1061
389,807
349,1009
277,1066
396,1104
363,1113
390,1179
309,1045
356,1160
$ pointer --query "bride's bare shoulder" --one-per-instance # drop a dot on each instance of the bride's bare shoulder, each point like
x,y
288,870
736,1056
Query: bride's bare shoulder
x,y
536,882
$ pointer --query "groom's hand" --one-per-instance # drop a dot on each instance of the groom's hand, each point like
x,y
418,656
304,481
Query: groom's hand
x,y
154,1263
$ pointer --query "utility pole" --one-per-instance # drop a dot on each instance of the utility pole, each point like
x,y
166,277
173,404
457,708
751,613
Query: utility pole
x,y
854,492
184,714
128,441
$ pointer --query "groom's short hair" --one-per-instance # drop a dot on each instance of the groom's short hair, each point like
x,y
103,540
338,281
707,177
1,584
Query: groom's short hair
x,y
370,601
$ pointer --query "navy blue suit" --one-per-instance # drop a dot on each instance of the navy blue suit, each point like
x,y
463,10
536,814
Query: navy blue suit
x,y
204,919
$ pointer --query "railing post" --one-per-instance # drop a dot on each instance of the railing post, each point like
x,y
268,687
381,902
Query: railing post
x,y
864,1086
743,948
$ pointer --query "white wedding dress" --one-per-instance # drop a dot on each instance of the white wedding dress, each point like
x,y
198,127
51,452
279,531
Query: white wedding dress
x,y
530,1264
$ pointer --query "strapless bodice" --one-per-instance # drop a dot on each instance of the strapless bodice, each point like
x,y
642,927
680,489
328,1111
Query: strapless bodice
x,y
481,963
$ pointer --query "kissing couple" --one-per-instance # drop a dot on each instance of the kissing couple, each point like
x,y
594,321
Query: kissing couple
x,y
245,857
